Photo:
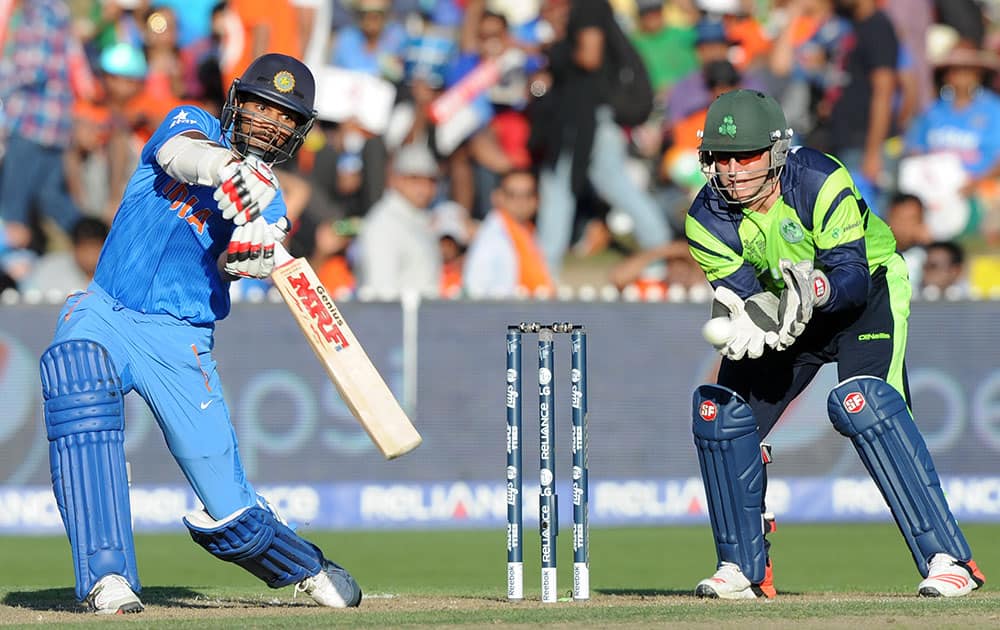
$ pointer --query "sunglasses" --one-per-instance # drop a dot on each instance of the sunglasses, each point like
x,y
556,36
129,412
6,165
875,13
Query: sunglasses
x,y
741,157
518,194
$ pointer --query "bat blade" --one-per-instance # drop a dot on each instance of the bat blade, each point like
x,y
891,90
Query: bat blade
x,y
332,340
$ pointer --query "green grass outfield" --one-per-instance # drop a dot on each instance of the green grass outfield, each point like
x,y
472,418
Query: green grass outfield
x,y
828,576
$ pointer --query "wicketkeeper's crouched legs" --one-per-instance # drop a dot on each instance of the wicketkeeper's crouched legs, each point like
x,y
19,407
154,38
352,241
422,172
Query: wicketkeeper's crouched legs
x,y
729,452
875,417
84,419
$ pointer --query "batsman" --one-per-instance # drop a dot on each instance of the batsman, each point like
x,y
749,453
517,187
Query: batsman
x,y
807,275
202,209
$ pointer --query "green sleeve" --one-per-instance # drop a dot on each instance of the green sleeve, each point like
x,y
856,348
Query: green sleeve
x,y
716,259
836,217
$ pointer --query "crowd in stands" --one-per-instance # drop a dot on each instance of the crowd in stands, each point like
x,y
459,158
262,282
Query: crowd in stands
x,y
483,147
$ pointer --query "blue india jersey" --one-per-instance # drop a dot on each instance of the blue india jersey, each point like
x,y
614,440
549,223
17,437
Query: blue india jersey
x,y
161,254
969,132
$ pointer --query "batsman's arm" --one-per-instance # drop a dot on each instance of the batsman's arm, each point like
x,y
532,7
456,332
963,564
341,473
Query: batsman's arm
x,y
192,158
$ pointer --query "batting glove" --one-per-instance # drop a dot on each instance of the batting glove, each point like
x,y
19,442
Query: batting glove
x,y
251,248
247,188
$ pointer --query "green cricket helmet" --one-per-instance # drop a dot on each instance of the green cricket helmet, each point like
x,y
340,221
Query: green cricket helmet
x,y
744,121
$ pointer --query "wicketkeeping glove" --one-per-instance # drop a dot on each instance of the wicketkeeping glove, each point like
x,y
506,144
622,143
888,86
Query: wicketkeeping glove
x,y
755,322
806,288
247,188
251,248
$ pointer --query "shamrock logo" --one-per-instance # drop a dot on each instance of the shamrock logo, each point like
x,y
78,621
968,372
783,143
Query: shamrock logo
x,y
728,127
791,231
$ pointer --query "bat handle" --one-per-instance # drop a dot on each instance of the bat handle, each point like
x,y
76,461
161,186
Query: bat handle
x,y
281,255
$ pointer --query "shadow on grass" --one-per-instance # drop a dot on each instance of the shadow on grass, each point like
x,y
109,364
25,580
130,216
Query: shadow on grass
x,y
64,600
644,592
652,592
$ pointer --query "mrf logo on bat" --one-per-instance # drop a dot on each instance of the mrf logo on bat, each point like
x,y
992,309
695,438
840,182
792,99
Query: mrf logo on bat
x,y
316,302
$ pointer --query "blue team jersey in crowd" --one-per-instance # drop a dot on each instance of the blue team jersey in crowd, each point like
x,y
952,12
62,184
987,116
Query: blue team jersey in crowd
x,y
161,254
969,132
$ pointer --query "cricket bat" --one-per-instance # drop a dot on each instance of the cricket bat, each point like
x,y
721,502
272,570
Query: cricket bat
x,y
359,383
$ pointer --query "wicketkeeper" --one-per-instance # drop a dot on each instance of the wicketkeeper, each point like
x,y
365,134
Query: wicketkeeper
x,y
807,276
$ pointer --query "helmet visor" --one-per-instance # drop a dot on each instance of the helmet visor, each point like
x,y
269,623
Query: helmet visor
x,y
741,177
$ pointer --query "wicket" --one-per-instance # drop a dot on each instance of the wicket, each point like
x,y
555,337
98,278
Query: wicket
x,y
548,517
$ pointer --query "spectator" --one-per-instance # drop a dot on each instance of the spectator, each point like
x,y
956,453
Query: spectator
x,y
751,44
803,58
331,256
123,72
428,54
500,141
164,84
350,167
315,18
263,26
681,270
37,106
667,50
451,224
70,271
202,63
965,16
691,94
944,271
959,122
119,22
426,60
164,79
576,132
87,159
913,19
905,218
194,18
373,44
504,255
858,110
398,247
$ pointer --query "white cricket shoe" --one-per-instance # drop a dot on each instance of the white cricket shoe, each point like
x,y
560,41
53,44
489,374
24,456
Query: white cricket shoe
x,y
947,577
730,583
112,595
333,587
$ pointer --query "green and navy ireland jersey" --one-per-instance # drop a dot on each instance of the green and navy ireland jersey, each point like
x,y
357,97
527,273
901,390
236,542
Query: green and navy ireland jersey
x,y
819,216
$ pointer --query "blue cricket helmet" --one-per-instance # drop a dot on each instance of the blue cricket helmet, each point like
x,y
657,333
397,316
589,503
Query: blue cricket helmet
x,y
283,81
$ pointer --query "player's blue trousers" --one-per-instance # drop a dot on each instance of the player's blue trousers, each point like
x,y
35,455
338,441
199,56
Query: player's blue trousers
x,y
169,363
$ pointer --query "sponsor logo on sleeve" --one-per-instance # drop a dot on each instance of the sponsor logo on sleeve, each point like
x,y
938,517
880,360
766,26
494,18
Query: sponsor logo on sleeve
x,y
181,118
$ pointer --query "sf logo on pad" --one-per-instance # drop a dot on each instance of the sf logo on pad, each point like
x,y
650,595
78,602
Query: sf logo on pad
x,y
708,411
854,402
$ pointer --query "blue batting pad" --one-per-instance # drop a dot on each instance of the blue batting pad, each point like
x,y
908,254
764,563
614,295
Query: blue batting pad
x,y
260,543
725,434
84,418
874,415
